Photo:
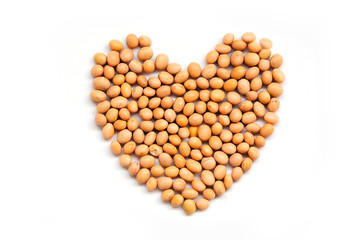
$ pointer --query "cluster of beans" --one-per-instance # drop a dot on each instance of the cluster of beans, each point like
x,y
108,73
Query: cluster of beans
x,y
179,130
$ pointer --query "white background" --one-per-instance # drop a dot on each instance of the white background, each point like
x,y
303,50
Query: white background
x,y
59,180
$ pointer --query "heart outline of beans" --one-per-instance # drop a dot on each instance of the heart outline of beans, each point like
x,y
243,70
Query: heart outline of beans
x,y
192,122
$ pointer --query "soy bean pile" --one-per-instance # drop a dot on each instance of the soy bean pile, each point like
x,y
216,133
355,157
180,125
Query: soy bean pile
x,y
189,133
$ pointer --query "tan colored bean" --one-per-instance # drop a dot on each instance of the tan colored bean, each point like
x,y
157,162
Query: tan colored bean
x,y
228,181
108,131
236,159
171,171
177,200
179,161
189,206
151,184
98,96
97,70
271,118
150,138
237,173
220,172
112,115
141,150
191,96
248,117
275,89
264,97
133,168
249,138
202,203
198,185
251,59
143,175
100,120
212,57
167,195
223,48
145,41
194,70
186,175
126,55
209,194
146,126
246,164
223,73
238,72
136,66
148,66
173,68
260,141
165,183
115,147
129,147
276,60
161,61
221,157
179,184
193,166
207,177
120,125
278,75
243,147
208,163
253,127
252,72
100,58
125,160
113,58
209,71
189,193
219,188
147,161
122,68
138,136
248,37
223,60
157,171
183,132
267,130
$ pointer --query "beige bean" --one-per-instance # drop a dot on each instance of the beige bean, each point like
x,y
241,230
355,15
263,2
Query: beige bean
x,y
133,168
100,120
202,203
179,185
157,171
108,131
193,166
151,184
125,160
161,61
189,193
228,181
147,161
167,195
164,183
207,177
220,172
143,175
177,200
237,173
219,188
198,185
189,206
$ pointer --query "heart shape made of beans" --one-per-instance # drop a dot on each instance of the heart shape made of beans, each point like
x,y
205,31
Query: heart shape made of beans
x,y
200,127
